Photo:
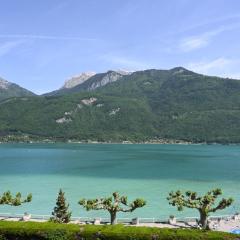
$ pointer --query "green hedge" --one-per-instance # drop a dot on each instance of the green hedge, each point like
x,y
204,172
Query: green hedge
x,y
52,231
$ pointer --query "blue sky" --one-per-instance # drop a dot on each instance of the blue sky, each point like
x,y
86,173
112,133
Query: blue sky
x,y
44,42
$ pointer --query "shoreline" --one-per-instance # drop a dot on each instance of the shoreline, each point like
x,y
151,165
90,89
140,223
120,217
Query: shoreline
x,y
31,139
162,141
120,143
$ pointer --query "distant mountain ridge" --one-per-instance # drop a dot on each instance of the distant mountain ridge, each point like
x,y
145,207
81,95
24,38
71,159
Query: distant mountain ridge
x,y
8,90
175,104
89,81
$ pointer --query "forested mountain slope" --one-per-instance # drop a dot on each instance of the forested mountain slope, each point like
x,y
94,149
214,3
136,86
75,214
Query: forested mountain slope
x,y
151,104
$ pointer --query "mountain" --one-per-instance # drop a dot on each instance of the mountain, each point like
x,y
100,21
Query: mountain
x,y
76,80
89,82
175,104
100,80
8,90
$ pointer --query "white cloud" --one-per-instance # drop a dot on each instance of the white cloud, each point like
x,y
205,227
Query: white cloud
x,y
129,64
6,47
193,43
60,6
202,40
44,37
208,22
210,65
221,66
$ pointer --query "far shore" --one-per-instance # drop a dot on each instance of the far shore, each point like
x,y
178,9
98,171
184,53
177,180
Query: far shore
x,y
123,143
28,140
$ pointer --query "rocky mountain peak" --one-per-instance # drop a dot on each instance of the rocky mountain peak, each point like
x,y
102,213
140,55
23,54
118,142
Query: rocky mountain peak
x,y
109,77
4,84
78,79
123,72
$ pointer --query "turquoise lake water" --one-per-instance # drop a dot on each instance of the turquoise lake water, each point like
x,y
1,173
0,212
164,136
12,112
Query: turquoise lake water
x,y
95,170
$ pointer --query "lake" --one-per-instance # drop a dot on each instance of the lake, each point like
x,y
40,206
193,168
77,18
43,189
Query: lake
x,y
136,170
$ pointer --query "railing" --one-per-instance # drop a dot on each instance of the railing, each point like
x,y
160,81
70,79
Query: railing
x,y
33,216
119,220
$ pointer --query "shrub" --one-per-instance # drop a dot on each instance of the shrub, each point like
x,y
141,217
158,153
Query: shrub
x,y
54,231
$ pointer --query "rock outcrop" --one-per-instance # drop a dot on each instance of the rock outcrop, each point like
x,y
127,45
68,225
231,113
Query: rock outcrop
x,y
4,84
79,79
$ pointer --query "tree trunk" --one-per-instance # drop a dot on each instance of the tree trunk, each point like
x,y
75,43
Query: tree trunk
x,y
113,218
203,220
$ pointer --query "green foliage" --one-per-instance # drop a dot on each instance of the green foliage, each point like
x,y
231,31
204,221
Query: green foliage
x,y
13,90
2,237
113,204
58,234
47,231
61,213
204,204
16,200
153,104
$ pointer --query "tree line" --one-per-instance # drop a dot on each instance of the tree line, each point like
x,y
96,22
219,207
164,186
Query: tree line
x,y
204,204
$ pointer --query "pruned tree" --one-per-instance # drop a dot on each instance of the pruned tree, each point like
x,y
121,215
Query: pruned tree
x,y
8,199
205,204
113,205
60,213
